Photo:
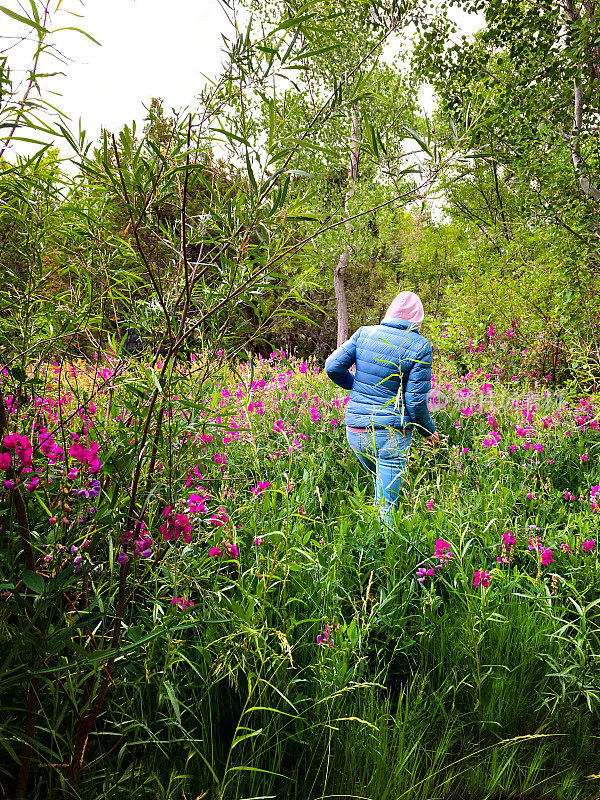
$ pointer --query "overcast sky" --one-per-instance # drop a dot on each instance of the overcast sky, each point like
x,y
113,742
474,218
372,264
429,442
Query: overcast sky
x,y
149,48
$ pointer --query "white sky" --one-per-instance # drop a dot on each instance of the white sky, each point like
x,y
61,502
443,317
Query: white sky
x,y
149,48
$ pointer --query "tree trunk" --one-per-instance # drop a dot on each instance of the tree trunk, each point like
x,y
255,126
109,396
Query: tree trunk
x,y
577,159
339,273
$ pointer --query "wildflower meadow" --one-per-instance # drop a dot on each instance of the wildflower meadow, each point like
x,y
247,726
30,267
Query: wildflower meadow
x,y
251,630
199,597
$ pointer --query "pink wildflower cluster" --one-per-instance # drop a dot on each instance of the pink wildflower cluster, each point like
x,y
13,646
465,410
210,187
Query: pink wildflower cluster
x,y
226,550
175,525
142,543
595,499
481,578
220,518
508,544
22,449
442,552
423,573
326,638
260,488
588,547
87,456
180,602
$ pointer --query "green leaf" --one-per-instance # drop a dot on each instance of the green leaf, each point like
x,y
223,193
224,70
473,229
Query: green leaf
x,y
420,141
19,18
33,581
174,701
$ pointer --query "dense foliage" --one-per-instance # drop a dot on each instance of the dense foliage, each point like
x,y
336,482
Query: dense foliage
x,y
268,624
197,597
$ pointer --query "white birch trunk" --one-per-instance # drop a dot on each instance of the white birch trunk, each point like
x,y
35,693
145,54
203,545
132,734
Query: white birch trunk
x,y
339,273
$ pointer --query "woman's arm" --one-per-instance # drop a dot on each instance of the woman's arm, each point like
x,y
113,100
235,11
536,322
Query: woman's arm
x,y
338,364
418,386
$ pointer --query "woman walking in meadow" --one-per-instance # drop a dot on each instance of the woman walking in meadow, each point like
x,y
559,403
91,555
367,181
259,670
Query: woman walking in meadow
x,y
388,394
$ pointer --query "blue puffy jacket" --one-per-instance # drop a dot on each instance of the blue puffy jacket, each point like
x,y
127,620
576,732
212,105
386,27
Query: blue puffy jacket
x,y
388,357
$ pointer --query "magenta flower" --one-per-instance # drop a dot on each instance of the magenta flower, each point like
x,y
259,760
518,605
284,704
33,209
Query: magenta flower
x,y
564,546
175,525
258,541
588,546
87,456
423,573
220,518
22,447
442,552
180,602
430,505
33,484
546,556
481,578
122,558
4,461
214,552
508,539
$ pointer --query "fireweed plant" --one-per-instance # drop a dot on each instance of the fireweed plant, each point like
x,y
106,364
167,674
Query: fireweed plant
x,y
264,634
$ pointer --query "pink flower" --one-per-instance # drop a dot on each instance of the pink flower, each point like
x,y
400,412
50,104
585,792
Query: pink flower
x,y
180,602
22,447
175,525
564,546
258,541
4,461
481,578
262,485
429,505
529,496
442,552
214,552
584,457
220,518
423,573
546,556
508,539
86,455
33,484
588,546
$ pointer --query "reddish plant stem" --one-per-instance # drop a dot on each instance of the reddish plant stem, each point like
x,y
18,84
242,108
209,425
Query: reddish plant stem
x,y
28,735
84,725
20,508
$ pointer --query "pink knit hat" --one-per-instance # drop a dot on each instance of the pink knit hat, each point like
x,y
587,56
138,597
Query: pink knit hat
x,y
407,306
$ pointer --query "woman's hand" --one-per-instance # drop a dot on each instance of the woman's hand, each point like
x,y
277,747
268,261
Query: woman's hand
x,y
433,439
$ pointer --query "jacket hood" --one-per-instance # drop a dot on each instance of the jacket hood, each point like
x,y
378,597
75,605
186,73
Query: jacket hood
x,y
407,306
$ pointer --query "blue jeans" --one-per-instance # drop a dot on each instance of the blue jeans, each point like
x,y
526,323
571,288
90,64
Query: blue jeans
x,y
382,452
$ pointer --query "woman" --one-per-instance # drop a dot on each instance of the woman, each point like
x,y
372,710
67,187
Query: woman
x,y
388,398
